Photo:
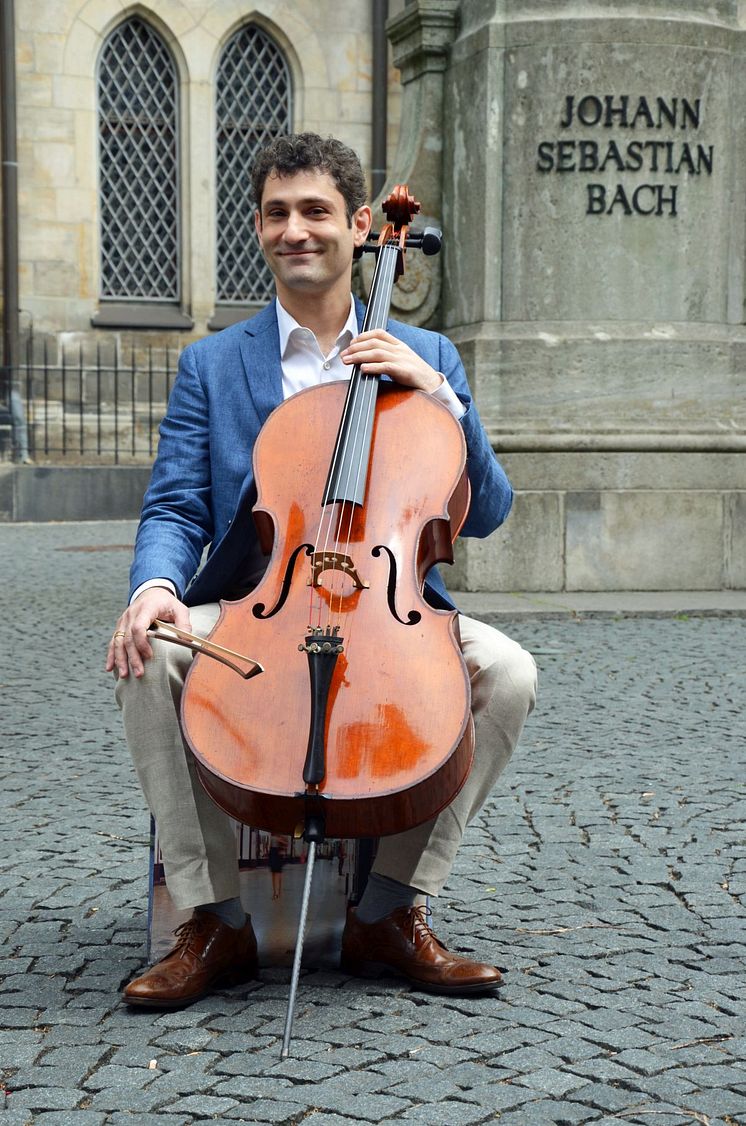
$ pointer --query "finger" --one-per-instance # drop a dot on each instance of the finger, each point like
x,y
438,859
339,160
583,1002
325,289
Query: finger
x,y
111,651
181,617
131,655
371,367
365,362
175,612
375,334
169,610
370,355
144,614
375,339
364,346
137,643
118,655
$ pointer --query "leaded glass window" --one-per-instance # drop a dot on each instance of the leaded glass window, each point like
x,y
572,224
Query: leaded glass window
x,y
138,177
253,107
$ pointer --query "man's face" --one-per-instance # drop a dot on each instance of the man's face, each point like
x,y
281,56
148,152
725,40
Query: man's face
x,y
305,234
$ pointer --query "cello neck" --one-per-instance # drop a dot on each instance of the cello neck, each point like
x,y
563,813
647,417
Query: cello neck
x,y
379,303
348,471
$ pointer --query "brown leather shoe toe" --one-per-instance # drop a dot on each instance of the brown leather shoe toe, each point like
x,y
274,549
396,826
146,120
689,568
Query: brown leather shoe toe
x,y
403,941
208,953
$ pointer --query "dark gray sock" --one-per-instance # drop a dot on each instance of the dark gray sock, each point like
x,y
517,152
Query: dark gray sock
x,y
229,911
382,896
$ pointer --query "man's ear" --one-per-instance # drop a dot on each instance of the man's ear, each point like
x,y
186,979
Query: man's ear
x,y
258,225
361,223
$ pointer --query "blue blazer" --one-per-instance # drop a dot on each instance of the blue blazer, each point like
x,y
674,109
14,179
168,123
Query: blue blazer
x,y
202,487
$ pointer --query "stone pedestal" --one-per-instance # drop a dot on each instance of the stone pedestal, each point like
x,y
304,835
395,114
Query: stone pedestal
x,y
594,205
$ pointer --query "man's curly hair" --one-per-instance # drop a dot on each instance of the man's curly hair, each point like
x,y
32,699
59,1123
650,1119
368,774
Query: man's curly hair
x,y
308,152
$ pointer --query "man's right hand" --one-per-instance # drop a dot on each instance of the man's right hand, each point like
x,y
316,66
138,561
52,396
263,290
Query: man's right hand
x,y
130,646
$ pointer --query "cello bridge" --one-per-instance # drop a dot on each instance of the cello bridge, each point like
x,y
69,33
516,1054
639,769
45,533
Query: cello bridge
x,y
334,561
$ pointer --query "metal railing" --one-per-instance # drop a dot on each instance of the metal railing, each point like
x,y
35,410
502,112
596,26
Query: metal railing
x,y
92,405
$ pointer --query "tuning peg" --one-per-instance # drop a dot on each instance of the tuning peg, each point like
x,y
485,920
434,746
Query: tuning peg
x,y
432,240
429,241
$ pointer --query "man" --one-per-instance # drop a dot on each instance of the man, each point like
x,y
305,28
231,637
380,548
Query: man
x,y
311,215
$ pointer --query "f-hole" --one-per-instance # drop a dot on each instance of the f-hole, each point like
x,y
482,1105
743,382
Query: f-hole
x,y
259,611
413,616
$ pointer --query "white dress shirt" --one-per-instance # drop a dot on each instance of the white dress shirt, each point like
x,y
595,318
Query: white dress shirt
x,y
303,362
305,365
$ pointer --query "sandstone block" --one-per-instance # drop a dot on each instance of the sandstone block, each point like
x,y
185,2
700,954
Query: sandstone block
x,y
524,554
735,540
644,540
74,92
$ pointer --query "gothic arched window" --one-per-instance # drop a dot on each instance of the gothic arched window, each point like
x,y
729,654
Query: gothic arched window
x,y
138,167
253,106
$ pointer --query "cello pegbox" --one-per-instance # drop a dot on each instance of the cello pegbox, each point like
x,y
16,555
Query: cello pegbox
x,y
400,207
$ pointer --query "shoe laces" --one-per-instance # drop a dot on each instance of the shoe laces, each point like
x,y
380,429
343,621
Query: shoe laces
x,y
421,929
184,934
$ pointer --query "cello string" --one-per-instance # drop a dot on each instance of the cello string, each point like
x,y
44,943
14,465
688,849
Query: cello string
x,y
347,439
349,404
381,303
329,517
359,403
335,509
379,316
352,429
366,394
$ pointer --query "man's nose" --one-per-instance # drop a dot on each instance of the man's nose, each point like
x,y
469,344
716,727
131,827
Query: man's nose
x,y
296,229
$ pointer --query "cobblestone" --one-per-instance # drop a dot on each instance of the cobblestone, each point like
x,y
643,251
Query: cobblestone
x,y
607,875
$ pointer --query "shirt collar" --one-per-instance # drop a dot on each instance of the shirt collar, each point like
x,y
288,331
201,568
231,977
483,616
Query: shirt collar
x,y
287,325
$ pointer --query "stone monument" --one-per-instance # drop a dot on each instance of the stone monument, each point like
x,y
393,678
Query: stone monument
x,y
592,190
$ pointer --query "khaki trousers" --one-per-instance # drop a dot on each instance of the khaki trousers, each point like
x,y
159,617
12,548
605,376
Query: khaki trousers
x,y
197,839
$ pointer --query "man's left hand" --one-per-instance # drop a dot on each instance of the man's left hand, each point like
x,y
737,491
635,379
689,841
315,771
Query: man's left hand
x,y
380,353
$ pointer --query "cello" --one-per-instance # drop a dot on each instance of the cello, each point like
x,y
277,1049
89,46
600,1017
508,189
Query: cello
x,y
351,717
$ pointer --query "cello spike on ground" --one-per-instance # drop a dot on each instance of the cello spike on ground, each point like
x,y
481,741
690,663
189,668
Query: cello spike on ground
x,y
298,951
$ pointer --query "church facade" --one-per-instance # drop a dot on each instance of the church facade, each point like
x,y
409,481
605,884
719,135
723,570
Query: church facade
x,y
136,126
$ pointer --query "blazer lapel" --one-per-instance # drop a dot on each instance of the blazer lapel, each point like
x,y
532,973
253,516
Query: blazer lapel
x,y
260,353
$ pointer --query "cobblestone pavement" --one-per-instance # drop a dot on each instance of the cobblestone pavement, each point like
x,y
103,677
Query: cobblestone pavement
x,y
608,875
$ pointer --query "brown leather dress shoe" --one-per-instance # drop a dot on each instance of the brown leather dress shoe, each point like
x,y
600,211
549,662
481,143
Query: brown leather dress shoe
x,y
207,953
403,941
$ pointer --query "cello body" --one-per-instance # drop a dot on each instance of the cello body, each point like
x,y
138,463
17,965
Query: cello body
x,y
396,723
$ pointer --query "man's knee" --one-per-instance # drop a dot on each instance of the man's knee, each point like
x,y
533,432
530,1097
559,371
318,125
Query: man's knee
x,y
162,679
165,672
496,663
524,678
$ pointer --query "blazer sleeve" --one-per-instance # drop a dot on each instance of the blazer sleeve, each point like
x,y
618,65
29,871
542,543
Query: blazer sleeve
x,y
176,522
491,492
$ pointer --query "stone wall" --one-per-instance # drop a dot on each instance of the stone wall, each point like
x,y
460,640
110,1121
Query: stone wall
x,y
594,198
